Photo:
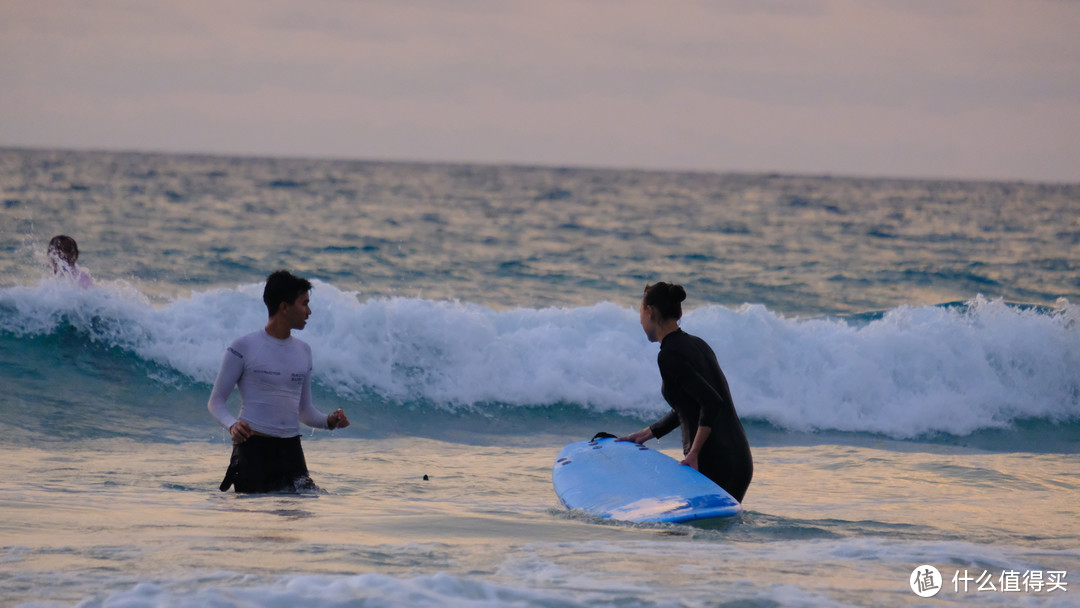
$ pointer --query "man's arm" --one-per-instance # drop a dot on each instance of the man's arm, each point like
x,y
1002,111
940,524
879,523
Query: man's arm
x,y
312,417
232,366
309,414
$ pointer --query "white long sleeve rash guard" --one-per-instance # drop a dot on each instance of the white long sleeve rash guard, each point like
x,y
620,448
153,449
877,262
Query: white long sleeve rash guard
x,y
274,378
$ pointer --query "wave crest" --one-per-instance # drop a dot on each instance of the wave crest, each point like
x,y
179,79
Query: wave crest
x,y
908,372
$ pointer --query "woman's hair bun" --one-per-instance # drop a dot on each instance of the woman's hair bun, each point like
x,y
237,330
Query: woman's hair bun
x,y
677,293
666,298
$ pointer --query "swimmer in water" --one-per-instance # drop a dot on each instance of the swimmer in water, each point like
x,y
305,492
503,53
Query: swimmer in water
x,y
63,254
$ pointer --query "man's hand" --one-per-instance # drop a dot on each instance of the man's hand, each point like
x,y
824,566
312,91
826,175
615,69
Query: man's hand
x,y
337,420
240,431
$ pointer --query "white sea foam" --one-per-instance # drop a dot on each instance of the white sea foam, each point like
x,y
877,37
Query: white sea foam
x,y
915,370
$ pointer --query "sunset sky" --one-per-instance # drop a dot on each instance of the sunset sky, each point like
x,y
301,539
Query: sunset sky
x,y
976,89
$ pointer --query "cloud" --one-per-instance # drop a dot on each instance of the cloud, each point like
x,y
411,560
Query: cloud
x,y
948,87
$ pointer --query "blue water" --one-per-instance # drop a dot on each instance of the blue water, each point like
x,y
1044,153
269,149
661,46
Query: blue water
x,y
902,353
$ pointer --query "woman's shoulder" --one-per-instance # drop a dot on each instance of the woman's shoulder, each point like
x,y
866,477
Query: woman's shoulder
x,y
683,345
675,346
677,339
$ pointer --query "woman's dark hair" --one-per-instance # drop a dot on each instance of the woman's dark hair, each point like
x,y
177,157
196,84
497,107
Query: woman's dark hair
x,y
666,299
64,247
282,286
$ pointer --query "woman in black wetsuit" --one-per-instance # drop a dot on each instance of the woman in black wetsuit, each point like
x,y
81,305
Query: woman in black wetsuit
x,y
697,391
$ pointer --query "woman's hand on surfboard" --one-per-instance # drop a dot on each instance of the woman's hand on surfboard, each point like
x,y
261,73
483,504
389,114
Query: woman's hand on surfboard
x,y
691,461
639,437
700,437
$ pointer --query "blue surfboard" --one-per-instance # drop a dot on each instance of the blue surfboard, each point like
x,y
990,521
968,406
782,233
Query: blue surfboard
x,y
625,481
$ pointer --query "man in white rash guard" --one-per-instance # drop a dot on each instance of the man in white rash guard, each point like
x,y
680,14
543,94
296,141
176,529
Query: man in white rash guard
x,y
273,372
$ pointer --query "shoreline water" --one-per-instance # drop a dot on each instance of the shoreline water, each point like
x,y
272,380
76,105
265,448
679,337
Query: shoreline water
x,y
487,520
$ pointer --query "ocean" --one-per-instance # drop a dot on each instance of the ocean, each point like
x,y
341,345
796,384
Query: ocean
x,y
903,354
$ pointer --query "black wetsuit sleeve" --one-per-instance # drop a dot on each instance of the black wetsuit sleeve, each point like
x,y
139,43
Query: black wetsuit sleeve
x,y
665,425
680,371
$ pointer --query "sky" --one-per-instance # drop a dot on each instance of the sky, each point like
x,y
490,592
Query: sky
x,y
968,89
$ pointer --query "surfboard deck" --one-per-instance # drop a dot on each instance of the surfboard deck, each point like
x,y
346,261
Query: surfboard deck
x,y
625,481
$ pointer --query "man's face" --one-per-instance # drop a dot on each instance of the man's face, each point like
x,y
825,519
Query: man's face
x,y
298,312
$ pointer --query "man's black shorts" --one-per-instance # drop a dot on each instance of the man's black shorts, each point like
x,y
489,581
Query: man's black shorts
x,y
268,464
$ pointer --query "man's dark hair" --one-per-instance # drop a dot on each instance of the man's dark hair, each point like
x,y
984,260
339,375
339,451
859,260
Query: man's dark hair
x,y
282,286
